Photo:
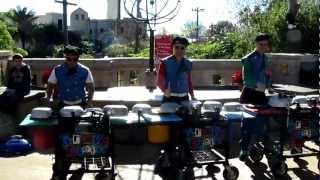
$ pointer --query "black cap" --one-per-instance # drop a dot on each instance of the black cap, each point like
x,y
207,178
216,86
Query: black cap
x,y
72,50
180,40
262,37
17,56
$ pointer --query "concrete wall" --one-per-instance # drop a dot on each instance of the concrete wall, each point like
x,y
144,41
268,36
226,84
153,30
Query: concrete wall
x,y
116,71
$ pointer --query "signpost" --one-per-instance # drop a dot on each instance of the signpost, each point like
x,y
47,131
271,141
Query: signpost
x,y
162,47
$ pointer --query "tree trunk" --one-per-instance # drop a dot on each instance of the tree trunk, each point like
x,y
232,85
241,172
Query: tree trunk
x,y
23,40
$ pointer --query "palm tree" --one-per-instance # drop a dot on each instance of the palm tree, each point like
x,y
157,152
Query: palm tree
x,y
23,20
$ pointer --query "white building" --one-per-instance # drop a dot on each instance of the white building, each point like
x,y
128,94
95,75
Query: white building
x,y
113,9
51,18
79,21
103,30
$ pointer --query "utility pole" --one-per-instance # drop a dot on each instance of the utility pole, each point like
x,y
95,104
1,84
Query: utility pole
x,y
65,3
197,10
137,40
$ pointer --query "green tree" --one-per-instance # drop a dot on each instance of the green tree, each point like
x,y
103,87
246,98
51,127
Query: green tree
x,y
189,30
44,38
220,28
6,41
23,20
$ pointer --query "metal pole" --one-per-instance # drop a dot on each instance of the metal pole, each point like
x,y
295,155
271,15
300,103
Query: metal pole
x,y
65,3
65,23
137,40
151,57
197,10
197,23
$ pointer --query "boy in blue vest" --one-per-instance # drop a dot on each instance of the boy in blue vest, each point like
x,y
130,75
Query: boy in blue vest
x,y
71,79
174,76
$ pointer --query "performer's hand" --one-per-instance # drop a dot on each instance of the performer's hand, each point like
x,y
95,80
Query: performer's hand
x,y
270,91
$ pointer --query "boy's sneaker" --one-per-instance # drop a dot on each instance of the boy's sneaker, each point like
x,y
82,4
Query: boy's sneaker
x,y
243,156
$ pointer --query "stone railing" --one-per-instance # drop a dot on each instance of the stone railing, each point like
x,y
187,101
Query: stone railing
x,y
206,72
4,57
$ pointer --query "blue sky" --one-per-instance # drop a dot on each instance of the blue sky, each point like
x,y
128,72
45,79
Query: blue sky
x,y
215,10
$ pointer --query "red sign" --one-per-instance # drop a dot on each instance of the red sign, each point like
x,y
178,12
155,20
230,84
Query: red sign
x,y
162,47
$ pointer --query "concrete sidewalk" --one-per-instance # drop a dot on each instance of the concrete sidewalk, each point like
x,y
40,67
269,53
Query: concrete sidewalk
x,y
37,166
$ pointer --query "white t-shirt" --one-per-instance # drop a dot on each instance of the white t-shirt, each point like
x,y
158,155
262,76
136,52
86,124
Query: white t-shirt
x,y
53,78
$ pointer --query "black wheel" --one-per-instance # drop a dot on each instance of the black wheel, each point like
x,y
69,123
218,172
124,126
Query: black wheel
x,y
212,169
103,176
189,174
230,173
56,177
279,169
256,155
169,174
76,176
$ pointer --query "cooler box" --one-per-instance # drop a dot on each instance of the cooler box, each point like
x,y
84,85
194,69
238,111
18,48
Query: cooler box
x,y
234,120
128,130
158,134
303,122
42,132
43,138
159,126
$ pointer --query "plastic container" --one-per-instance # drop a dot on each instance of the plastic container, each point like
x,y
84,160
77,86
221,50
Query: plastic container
x,y
158,134
43,138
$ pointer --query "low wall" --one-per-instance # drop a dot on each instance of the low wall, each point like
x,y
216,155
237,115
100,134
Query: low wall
x,y
4,57
131,71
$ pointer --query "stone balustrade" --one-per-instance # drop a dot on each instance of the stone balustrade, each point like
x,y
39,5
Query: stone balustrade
x,y
206,72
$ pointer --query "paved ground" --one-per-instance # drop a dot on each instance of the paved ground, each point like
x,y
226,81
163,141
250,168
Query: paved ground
x,y
37,166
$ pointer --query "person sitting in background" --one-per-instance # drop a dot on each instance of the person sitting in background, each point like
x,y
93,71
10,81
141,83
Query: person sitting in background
x,y
18,84
174,75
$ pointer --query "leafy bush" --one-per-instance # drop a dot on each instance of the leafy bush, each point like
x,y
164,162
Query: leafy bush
x,y
6,41
21,51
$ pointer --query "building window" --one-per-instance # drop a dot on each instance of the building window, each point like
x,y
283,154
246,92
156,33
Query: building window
x,y
82,16
121,30
90,32
101,30
77,16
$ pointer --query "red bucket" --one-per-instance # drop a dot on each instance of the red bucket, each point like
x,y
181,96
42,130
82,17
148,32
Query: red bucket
x,y
43,138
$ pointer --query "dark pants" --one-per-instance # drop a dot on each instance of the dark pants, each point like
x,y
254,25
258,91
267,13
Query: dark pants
x,y
175,132
9,102
251,96
62,163
256,126
175,99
